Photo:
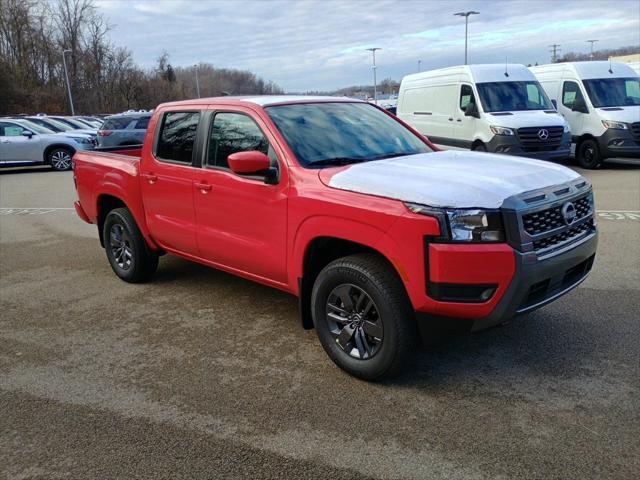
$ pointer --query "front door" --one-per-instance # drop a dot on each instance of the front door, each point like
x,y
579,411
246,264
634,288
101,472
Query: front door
x,y
241,220
17,147
465,126
571,92
166,179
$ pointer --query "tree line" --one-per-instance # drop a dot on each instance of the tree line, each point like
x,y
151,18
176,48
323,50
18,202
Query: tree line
x,y
104,77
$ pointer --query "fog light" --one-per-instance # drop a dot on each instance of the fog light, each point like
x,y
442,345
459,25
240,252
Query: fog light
x,y
616,142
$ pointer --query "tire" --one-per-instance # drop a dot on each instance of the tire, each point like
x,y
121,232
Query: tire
x,y
376,333
588,154
60,159
480,147
126,248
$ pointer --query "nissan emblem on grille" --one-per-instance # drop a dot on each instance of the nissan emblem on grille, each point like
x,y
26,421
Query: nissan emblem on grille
x,y
569,213
543,134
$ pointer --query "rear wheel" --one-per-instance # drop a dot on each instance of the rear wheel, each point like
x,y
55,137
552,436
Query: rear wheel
x,y
60,159
588,154
363,317
126,248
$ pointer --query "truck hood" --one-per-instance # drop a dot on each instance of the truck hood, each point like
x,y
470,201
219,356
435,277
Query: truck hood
x,y
448,179
620,114
527,118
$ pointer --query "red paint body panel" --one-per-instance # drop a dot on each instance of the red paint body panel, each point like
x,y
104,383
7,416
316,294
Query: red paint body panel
x,y
262,232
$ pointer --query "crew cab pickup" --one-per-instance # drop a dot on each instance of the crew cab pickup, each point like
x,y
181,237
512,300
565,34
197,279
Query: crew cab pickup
x,y
340,203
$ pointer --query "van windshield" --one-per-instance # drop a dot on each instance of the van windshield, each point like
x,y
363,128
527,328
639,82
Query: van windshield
x,y
513,96
613,92
326,134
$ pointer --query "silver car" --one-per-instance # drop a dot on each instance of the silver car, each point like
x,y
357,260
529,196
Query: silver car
x,y
126,129
22,145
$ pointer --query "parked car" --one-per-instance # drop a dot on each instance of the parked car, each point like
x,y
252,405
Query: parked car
x,y
22,145
601,102
487,108
58,126
74,123
348,208
79,137
93,122
127,129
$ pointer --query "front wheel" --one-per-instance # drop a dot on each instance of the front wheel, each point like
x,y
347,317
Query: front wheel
x,y
479,147
60,159
126,248
588,154
363,317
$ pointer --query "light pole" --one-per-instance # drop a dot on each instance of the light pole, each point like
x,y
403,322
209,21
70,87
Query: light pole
x,y
419,66
466,28
66,74
197,82
375,85
591,42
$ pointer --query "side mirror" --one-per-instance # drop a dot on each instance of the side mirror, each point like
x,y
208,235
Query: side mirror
x,y
579,106
27,133
253,163
472,111
555,104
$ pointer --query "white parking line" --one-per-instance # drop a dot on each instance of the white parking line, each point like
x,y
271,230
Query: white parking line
x,y
619,214
32,210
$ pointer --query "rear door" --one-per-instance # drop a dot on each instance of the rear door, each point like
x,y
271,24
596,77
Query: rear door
x,y
166,179
241,220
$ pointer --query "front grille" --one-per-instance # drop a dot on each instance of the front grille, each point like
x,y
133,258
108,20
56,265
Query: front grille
x,y
563,237
531,142
635,130
545,220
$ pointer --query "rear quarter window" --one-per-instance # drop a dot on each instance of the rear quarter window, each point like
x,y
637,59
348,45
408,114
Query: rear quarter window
x,y
141,123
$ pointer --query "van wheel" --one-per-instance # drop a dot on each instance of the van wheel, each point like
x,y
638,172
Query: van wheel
x,y
60,159
126,248
479,147
589,154
363,317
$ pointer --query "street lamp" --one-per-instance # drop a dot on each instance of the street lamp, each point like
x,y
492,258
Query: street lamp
x,y
466,28
591,42
197,82
375,86
419,66
66,74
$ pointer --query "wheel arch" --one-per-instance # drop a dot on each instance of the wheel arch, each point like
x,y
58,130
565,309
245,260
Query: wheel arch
x,y
319,252
53,146
105,203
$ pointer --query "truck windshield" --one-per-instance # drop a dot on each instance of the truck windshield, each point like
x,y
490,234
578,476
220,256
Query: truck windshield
x,y
613,92
321,134
513,96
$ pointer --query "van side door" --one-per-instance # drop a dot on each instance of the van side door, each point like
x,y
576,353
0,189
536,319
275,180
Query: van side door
x,y
242,221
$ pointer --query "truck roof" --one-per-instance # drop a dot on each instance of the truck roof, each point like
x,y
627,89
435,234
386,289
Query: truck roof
x,y
590,69
265,100
487,72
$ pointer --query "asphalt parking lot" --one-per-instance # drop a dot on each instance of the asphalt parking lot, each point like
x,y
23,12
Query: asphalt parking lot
x,y
200,374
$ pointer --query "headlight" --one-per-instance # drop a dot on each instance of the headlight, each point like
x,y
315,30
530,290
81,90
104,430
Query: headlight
x,y
82,140
501,130
614,125
567,128
465,225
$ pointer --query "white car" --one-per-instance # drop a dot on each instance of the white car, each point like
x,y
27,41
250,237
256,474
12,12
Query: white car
x,y
601,102
34,145
489,108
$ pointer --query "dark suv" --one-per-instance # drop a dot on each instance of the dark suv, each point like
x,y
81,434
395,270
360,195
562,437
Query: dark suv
x,y
125,129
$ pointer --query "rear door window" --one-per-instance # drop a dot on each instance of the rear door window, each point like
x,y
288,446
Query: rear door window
x,y
116,123
177,136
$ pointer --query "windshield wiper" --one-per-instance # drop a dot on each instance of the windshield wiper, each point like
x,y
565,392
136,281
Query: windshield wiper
x,y
337,161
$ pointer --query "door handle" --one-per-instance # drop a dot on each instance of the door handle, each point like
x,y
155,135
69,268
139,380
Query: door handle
x,y
451,119
203,187
458,120
150,177
5,141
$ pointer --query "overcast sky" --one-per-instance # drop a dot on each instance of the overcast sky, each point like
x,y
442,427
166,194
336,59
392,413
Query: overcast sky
x,y
320,45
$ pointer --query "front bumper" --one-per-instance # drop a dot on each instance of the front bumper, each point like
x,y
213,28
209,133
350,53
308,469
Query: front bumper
x,y
618,143
510,145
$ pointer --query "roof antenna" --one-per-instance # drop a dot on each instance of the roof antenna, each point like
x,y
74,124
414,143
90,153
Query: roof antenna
x,y
610,70
506,73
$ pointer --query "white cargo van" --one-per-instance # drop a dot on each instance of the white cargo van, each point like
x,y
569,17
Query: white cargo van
x,y
494,108
601,102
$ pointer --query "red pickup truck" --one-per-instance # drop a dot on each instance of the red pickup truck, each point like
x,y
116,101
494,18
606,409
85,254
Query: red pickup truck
x,y
379,235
